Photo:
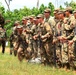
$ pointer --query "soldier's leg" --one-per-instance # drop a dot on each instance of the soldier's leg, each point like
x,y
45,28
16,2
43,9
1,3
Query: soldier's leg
x,y
35,49
49,53
15,48
72,56
11,48
65,56
3,46
30,47
20,53
59,56
43,55
74,52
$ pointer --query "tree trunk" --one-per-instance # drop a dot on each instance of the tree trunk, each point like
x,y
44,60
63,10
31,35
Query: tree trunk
x,y
8,5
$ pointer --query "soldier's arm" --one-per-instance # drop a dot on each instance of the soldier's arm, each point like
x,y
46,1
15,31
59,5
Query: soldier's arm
x,y
72,22
48,29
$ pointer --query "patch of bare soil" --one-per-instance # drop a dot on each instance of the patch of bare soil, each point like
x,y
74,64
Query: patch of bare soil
x,y
7,49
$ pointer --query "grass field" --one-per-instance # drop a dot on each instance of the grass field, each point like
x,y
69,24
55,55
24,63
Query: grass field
x,y
9,65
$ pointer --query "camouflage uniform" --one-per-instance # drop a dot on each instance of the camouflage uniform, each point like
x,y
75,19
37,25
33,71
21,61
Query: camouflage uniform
x,y
28,31
67,32
35,42
72,51
13,36
2,32
31,47
46,42
21,43
3,38
53,22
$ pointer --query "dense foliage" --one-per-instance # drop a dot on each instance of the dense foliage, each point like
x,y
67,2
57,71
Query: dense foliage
x,y
18,14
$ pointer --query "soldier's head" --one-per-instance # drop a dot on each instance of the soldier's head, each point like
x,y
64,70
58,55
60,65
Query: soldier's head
x,y
74,12
31,18
56,13
40,18
16,23
68,11
47,13
61,14
25,20
35,21
19,29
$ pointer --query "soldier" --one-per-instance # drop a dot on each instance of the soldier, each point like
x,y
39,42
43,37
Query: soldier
x,y
61,54
52,22
72,44
67,34
46,38
33,32
55,45
69,31
31,18
26,25
13,37
21,43
3,36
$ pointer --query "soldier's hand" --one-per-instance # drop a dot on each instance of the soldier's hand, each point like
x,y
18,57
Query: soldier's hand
x,y
34,37
72,25
54,41
70,42
42,37
25,30
60,38
64,38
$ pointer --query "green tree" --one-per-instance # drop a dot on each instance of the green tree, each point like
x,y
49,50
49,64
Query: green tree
x,y
72,4
51,6
35,11
61,8
2,9
66,4
42,8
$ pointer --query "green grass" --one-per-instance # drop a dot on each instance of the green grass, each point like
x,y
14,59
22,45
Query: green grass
x,y
9,65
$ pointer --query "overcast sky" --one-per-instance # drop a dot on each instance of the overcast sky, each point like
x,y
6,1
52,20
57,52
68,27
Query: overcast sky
x,y
17,4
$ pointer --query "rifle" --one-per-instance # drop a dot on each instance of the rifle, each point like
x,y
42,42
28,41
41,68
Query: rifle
x,y
54,30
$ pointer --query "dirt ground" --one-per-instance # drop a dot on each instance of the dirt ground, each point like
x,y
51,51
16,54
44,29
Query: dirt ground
x,y
7,49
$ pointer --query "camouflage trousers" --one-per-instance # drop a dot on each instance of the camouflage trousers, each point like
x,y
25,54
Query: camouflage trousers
x,y
35,48
58,55
72,55
69,54
22,50
46,53
64,53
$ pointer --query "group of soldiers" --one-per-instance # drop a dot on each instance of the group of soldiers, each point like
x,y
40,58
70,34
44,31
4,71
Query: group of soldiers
x,y
53,39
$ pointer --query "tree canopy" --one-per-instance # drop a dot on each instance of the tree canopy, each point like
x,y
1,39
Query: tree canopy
x,y
18,14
